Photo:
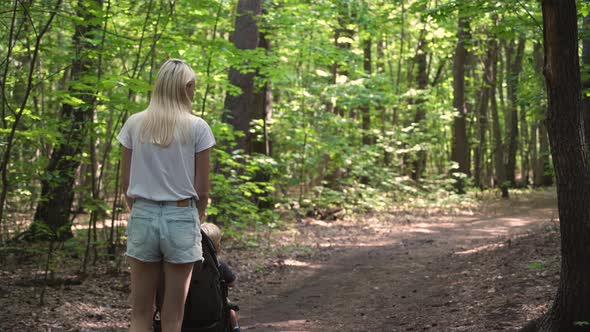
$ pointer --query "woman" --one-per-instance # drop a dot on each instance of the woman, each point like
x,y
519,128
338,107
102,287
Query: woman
x,y
165,176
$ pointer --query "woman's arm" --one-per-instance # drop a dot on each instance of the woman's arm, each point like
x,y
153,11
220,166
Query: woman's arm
x,y
202,181
125,172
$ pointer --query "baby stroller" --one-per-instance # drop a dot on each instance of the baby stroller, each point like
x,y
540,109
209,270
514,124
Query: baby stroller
x,y
206,308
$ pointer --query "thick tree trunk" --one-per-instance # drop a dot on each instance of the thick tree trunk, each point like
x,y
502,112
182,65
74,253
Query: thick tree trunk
x,y
565,127
239,109
586,78
57,191
460,145
514,67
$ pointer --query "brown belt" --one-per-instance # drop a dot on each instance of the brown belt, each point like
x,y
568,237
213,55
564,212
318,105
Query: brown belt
x,y
184,202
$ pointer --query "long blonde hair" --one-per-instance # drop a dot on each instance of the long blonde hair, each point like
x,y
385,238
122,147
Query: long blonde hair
x,y
170,105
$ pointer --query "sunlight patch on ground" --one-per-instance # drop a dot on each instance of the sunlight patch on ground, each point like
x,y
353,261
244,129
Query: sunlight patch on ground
x,y
102,326
481,248
422,230
317,222
99,225
518,222
285,326
427,228
348,244
293,262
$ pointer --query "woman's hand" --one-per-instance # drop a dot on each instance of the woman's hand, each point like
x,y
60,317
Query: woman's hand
x,y
129,202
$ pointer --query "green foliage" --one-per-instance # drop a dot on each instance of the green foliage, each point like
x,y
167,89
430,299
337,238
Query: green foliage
x,y
243,186
537,265
320,91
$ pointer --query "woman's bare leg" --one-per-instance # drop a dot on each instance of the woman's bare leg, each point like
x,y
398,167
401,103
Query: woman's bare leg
x,y
177,280
144,281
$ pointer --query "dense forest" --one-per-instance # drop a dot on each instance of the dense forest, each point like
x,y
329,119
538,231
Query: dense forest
x,y
320,108
313,104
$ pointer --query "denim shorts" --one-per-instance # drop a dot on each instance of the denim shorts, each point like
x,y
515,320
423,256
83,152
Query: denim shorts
x,y
159,231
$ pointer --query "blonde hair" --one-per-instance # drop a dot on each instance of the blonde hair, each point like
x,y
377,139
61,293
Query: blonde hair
x,y
170,105
214,233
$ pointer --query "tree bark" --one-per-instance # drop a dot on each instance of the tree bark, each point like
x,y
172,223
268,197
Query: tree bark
x,y
343,36
498,150
542,168
586,77
380,68
367,138
262,107
57,186
545,175
534,151
460,144
419,162
566,135
525,148
482,116
514,66
239,109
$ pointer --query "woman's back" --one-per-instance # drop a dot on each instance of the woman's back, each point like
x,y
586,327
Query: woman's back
x,y
164,173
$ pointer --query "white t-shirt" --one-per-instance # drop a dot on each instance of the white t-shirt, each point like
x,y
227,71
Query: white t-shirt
x,y
164,173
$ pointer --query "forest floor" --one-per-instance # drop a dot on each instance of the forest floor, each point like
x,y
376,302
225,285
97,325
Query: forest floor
x,y
492,266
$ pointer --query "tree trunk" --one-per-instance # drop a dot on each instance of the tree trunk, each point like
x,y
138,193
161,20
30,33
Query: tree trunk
x,y
419,162
343,37
239,109
545,175
400,63
262,107
586,77
571,305
57,186
525,150
263,112
534,151
380,68
482,119
498,149
542,168
460,145
514,67
367,138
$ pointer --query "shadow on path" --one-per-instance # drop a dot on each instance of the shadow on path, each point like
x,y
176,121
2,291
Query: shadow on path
x,y
401,275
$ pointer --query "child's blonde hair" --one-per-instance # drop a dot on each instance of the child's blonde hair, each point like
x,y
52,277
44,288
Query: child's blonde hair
x,y
214,233
170,105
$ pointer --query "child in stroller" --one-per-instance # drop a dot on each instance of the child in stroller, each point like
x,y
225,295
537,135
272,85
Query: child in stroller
x,y
207,308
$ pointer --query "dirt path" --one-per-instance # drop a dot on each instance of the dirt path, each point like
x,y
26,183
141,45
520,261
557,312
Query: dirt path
x,y
402,270
412,273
